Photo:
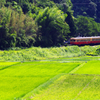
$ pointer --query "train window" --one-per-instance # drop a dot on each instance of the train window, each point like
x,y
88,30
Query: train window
x,y
72,40
82,40
92,39
95,39
86,40
98,39
78,40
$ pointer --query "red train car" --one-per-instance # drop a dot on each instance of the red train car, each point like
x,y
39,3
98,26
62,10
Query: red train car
x,y
85,40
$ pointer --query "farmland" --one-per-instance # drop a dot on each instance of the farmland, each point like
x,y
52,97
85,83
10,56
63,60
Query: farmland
x,y
41,79
71,87
59,78
82,83
22,78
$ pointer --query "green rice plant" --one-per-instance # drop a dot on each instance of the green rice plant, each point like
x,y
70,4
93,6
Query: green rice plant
x,y
67,87
91,67
21,78
91,91
14,87
4,65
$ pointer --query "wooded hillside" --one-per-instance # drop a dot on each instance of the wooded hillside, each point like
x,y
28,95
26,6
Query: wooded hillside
x,y
45,23
90,8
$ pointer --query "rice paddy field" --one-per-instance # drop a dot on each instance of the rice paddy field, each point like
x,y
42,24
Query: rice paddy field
x,y
76,78
64,73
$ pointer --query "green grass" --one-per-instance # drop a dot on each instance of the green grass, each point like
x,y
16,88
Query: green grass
x,y
71,87
38,53
21,78
76,59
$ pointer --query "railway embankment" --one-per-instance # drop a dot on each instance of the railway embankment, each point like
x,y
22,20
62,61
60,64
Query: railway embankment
x,y
38,53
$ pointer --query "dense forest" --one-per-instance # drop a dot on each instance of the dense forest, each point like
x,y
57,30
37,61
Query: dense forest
x,y
90,8
46,23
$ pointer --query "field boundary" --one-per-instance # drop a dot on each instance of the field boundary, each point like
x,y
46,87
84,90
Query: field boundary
x,y
9,66
85,87
42,86
76,68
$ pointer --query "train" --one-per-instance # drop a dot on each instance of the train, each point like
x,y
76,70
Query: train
x,y
85,40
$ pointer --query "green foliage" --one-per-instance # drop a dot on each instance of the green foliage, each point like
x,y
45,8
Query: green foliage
x,y
96,52
38,53
70,21
51,22
45,3
90,8
87,26
16,29
53,28
2,2
26,7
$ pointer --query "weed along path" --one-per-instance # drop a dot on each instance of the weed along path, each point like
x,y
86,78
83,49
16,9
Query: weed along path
x,y
19,79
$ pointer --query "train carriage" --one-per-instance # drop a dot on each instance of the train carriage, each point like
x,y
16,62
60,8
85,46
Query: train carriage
x,y
85,40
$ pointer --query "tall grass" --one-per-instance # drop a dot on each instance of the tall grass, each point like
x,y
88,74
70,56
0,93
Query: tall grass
x,y
38,53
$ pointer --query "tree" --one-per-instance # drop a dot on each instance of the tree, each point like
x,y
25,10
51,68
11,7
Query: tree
x,y
87,26
16,29
54,29
66,7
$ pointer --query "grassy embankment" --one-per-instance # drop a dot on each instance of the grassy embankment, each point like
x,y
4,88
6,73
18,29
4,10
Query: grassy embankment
x,y
38,53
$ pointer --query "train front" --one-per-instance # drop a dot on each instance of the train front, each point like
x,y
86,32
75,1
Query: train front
x,y
73,41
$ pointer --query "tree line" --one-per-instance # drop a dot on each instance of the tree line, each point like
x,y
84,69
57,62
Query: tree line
x,y
90,8
45,23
